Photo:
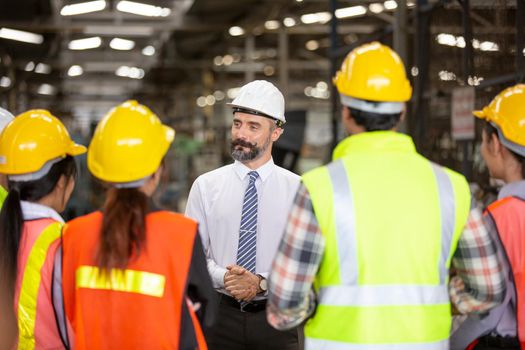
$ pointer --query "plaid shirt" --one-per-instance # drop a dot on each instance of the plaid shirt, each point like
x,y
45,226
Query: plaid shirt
x,y
479,285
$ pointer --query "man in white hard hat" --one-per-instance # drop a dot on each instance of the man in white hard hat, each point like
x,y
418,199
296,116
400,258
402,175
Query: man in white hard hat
x,y
242,210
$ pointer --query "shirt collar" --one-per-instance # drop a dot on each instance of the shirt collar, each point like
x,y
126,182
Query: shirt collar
x,y
264,171
381,141
33,211
513,189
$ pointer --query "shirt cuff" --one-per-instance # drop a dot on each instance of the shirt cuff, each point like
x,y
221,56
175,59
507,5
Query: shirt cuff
x,y
218,277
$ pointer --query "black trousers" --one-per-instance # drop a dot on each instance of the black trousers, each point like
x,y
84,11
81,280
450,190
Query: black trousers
x,y
237,330
497,342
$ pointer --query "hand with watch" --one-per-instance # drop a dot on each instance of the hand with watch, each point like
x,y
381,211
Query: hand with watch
x,y
262,287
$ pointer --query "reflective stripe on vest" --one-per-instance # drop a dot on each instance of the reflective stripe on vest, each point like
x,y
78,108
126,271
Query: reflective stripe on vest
x,y
345,223
27,302
311,343
130,281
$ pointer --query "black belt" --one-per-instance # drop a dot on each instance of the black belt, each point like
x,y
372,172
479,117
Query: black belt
x,y
252,306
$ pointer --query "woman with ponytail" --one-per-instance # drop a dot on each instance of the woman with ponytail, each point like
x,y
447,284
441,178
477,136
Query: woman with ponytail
x,y
36,155
134,276
503,149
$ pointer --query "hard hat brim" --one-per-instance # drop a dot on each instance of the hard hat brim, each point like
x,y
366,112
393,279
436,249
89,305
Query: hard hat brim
x,y
479,114
76,150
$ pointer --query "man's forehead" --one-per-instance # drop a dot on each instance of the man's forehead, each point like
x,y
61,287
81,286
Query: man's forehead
x,y
249,118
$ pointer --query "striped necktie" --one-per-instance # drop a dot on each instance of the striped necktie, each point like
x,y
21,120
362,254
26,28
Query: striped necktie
x,y
246,251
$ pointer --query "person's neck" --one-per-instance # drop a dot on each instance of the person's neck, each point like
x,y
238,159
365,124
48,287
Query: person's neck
x,y
52,201
257,163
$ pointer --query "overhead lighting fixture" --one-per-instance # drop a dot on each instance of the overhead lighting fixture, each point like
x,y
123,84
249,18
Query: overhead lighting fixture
x,y
148,51
488,46
46,89
289,22
20,35
83,7
5,82
352,11
236,31
219,95
141,9
29,66
272,25
130,72
233,92
201,101
474,81
446,75
120,29
227,60
85,44
318,17
121,44
75,71
312,45
43,68
390,4
210,100
376,7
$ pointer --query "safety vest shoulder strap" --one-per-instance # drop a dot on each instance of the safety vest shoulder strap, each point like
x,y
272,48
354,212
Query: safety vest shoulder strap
x,y
31,279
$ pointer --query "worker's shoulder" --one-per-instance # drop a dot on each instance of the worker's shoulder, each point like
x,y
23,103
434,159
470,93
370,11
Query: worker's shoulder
x,y
168,216
224,172
287,174
85,220
454,176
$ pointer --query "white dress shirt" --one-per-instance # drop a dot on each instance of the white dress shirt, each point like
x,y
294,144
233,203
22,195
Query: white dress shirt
x,y
34,211
215,201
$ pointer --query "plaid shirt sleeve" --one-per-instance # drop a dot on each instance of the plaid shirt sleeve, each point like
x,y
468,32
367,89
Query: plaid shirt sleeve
x,y
291,298
480,281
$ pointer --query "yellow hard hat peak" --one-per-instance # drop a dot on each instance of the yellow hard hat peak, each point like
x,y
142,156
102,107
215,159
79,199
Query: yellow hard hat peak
x,y
31,140
373,72
129,144
507,112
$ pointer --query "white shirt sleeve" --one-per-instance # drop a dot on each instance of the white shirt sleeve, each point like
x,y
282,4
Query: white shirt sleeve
x,y
195,209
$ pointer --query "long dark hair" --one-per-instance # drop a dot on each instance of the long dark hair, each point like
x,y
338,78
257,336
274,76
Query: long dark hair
x,y
123,227
491,130
12,220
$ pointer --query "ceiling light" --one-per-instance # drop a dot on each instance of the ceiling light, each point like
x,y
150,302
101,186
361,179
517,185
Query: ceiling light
x,y
312,45
141,9
411,4
236,31
46,89
5,82
318,17
217,61
29,66
414,71
83,7
269,71
148,51
201,101
299,0
488,46
289,22
233,92
446,76
219,95
474,81
352,11
43,68
210,100
446,39
272,25
390,4
85,44
130,72
376,7
120,29
19,35
227,60
121,44
75,71
322,86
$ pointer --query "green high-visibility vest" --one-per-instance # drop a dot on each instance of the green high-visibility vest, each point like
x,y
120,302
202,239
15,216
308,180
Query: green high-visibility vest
x,y
391,221
3,194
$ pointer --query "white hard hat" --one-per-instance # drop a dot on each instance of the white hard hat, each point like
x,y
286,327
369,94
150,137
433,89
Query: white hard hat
x,y
261,97
5,118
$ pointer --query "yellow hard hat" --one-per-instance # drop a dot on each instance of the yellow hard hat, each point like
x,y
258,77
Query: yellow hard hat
x,y
507,112
31,140
373,72
129,144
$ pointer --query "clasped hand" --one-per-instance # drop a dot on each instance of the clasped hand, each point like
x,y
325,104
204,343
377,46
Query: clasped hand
x,y
241,283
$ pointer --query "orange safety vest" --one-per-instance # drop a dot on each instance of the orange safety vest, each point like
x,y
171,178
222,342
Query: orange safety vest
x,y
37,326
136,308
508,215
